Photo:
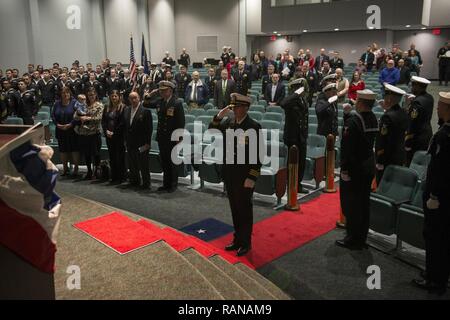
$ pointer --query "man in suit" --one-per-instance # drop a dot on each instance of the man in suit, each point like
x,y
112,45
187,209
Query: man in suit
x,y
368,58
138,137
210,82
242,79
337,61
321,59
170,118
275,92
405,73
267,79
223,90
240,178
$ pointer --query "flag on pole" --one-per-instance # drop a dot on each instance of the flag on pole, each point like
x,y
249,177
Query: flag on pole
x,y
144,59
133,70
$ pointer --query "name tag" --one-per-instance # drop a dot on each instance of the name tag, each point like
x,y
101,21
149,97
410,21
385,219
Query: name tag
x,y
170,112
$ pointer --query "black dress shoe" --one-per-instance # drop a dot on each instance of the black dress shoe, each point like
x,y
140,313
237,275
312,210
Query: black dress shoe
x,y
243,251
431,287
162,189
232,247
349,245
87,177
172,190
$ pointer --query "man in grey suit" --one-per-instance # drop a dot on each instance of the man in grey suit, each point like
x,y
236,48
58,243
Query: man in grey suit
x,y
223,90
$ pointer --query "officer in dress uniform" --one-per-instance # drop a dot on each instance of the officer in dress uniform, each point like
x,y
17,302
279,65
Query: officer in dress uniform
x,y
185,59
170,118
11,97
444,64
155,74
357,168
436,202
390,142
420,113
242,79
327,111
182,79
210,81
240,178
296,125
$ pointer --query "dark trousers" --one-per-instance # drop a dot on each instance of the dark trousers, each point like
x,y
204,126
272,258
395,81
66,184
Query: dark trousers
x,y
355,204
444,73
437,243
170,177
116,151
241,205
139,164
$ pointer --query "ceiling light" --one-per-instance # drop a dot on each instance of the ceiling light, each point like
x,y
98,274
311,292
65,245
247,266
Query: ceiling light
x,y
275,32
305,30
408,26
424,28
337,29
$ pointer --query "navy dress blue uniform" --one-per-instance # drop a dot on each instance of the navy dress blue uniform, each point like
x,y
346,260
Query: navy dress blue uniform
x,y
76,86
390,142
98,87
27,107
234,175
437,222
115,84
242,81
182,81
170,118
296,127
419,131
211,84
3,107
327,116
358,166
48,92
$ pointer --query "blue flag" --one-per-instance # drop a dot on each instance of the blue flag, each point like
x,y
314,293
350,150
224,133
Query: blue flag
x,y
144,59
208,230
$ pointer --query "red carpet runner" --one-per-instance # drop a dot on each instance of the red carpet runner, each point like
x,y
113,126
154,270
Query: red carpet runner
x,y
272,238
287,231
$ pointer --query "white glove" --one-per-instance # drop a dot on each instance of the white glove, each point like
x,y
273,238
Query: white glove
x,y
333,99
379,167
300,91
345,177
408,149
433,204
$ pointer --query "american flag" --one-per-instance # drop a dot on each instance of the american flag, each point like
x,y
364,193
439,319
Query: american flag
x,y
133,72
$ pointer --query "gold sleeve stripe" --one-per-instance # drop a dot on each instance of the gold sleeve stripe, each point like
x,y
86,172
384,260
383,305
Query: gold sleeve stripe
x,y
254,173
409,137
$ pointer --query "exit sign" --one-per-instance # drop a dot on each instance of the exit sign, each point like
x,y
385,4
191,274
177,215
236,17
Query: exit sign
x,y
437,32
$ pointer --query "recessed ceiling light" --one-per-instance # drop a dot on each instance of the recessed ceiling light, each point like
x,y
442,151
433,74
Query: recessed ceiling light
x,y
408,26
305,30
424,28
275,32
337,29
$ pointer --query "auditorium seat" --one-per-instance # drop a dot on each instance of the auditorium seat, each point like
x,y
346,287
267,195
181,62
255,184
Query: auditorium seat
x,y
210,171
312,128
312,119
410,220
212,112
45,109
209,106
263,103
206,120
189,118
42,117
257,108
273,116
271,172
197,112
276,109
14,121
420,163
316,146
255,115
396,188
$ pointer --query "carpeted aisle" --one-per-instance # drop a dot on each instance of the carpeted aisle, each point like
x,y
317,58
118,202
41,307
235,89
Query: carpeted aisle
x,y
287,231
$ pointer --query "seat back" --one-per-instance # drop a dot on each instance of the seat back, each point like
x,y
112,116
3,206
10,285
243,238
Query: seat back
x,y
316,145
312,128
189,118
209,106
398,183
197,112
273,116
417,199
420,163
212,112
14,121
271,125
257,108
275,109
255,115
206,120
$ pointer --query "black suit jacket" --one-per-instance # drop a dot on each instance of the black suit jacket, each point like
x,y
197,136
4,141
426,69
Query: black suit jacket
x,y
243,82
138,133
220,100
211,85
280,93
317,64
370,59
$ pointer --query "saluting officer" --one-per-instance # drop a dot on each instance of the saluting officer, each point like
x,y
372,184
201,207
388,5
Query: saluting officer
x,y
242,79
357,168
170,118
436,202
327,111
239,178
420,113
390,142
296,125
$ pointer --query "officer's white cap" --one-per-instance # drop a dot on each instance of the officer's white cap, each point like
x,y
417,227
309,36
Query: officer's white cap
x,y
366,94
420,80
329,87
393,90
444,97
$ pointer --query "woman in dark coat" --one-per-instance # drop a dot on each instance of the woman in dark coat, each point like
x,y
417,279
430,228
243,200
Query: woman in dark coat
x,y
113,128
62,116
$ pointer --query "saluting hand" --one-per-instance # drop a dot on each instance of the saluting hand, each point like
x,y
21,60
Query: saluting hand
x,y
224,112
